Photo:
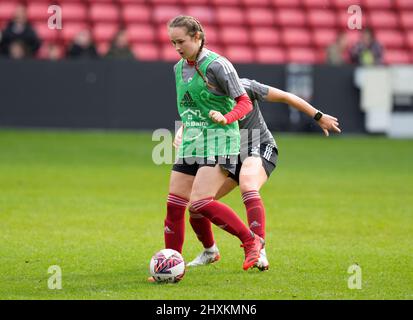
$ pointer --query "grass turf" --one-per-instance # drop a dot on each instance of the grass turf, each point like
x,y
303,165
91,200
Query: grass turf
x,y
94,203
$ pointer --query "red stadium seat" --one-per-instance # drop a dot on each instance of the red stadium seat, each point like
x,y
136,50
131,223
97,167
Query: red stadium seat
x,y
104,32
226,2
301,55
270,55
104,12
37,11
216,48
259,17
146,52
296,37
409,39
322,38
124,2
322,4
377,4
382,20
321,18
205,14
45,33
195,2
7,10
286,3
211,33
230,16
239,54
164,2
132,13
73,11
390,38
256,3
140,33
71,29
404,4
162,14
290,18
234,35
345,4
162,34
406,19
261,36
397,57
353,36
168,53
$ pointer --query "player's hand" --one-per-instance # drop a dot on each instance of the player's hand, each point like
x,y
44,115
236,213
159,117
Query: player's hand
x,y
217,117
329,123
178,137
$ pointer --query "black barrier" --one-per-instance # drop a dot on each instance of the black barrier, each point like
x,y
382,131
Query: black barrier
x,y
135,95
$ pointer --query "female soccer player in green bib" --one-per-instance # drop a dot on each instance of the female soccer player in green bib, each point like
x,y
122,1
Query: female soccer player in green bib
x,y
210,99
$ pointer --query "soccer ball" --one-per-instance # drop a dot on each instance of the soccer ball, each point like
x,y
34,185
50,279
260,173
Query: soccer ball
x,y
167,265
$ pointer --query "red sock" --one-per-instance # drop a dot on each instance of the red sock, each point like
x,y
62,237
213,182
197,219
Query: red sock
x,y
255,212
222,216
174,231
202,228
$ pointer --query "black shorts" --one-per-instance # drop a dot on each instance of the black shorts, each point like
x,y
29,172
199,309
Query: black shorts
x,y
191,165
268,154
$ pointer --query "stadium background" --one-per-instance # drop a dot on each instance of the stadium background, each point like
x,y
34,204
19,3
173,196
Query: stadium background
x,y
93,201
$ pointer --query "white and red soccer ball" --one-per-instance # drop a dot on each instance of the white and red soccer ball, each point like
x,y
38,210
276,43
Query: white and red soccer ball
x,y
167,265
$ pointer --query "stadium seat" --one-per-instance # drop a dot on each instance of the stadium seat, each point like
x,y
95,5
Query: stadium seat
x,y
382,19
212,36
234,35
324,37
239,54
195,2
220,3
270,55
216,48
390,38
353,36
290,18
45,33
409,39
255,3
104,32
205,14
321,18
162,14
344,4
301,55
164,2
139,13
168,53
140,33
125,2
404,4
230,16
259,17
265,36
103,12
278,4
37,11
377,4
73,11
322,4
71,29
296,37
146,52
397,57
7,10
406,20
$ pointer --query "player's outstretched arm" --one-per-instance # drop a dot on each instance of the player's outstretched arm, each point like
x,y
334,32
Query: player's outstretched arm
x,y
326,122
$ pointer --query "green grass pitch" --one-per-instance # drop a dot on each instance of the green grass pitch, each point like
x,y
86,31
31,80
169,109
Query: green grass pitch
x,y
93,203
